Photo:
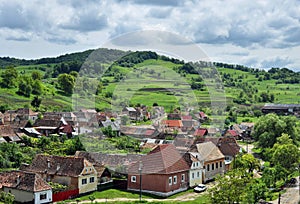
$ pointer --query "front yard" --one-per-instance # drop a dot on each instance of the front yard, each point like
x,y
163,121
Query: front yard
x,y
120,197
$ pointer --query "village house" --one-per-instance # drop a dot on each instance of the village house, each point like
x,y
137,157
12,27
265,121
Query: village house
x,y
117,163
8,134
214,160
162,172
282,109
202,116
233,133
26,187
27,114
196,168
132,113
157,112
53,124
9,116
229,148
141,131
200,132
74,172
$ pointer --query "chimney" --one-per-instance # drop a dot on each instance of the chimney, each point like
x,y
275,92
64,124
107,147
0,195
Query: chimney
x,y
48,163
58,167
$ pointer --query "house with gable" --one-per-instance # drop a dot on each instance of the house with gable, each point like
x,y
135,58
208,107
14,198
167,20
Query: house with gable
x,y
73,172
200,132
202,116
8,134
196,168
229,148
27,114
114,162
132,113
214,160
26,187
233,133
162,172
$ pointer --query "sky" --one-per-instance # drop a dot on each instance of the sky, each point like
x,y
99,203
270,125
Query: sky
x,y
260,34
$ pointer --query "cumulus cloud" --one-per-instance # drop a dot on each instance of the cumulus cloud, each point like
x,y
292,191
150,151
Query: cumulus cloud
x,y
244,24
13,16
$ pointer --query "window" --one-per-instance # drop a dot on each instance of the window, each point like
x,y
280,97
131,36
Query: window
x,y
84,181
92,180
198,174
207,167
212,166
43,196
133,179
192,175
175,179
197,164
182,177
216,165
170,180
221,164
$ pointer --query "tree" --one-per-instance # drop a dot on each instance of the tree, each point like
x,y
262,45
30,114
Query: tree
x,y
267,129
256,190
108,131
99,88
247,162
37,88
9,77
36,102
35,75
66,83
25,86
286,154
7,198
74,74
230,188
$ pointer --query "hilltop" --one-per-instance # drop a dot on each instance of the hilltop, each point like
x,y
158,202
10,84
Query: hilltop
x,y
118,78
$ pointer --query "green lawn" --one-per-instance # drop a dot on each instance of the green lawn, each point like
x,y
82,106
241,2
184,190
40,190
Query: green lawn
x,y
113,193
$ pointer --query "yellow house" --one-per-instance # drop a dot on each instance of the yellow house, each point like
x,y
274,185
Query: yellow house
x,y
73,172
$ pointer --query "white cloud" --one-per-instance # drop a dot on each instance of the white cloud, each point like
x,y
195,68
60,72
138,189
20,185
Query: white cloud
x,y
234,32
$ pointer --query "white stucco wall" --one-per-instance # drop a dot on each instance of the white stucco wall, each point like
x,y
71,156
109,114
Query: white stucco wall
x,y
48,197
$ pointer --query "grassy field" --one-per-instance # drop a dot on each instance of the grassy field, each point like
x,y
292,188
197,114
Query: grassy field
x,y
113,194
152,81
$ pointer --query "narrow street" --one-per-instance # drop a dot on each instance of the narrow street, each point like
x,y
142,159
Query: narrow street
x,y
292,195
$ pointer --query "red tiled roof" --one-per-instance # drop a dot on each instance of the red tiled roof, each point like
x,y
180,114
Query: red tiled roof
x,y
200,132
202,114
27,181
232,133
173,123
164,159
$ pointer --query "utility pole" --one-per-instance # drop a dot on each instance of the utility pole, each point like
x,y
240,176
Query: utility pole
x,y
140,172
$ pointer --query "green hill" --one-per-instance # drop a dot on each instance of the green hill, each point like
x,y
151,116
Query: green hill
x,y
116,78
